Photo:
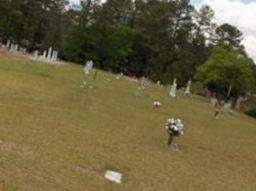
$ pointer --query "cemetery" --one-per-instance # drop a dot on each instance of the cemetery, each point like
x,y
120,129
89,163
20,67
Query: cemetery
x,y
58,136
127,95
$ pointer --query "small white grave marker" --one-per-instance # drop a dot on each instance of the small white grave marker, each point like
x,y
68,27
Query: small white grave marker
x,y
114,176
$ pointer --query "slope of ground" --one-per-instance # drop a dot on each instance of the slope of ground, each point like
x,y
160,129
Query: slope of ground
x,y
55,135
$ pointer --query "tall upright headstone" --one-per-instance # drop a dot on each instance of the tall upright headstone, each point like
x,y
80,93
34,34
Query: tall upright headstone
x,y
44,54
54,55
12,47
49,55
173,88
36,53
187,90
8,44
16,47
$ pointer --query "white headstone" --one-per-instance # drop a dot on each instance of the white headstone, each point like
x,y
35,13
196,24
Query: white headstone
x,y
142,83
44,54
16,47
54,55
88,67
114,176
173,88
11,47
36,53
49,55
8,44
228,107
187,90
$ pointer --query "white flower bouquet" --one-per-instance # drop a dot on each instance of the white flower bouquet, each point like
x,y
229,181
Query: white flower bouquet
x,y
174,127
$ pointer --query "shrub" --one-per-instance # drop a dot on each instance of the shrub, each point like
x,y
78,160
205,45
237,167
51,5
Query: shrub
x,y
251,112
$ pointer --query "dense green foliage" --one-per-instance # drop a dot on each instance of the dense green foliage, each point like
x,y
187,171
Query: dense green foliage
x,y
159,39
226,71
251,112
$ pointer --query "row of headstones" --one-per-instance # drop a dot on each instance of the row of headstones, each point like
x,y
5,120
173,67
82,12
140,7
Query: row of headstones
x,y
12,47
51,55
228,105
173,90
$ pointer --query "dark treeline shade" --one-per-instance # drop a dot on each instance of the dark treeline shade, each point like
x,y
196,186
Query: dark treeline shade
x,y
160,39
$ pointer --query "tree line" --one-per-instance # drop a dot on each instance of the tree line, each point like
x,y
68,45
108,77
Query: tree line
x,y
160,39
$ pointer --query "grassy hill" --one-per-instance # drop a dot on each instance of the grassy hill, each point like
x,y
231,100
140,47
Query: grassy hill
x,y
55,135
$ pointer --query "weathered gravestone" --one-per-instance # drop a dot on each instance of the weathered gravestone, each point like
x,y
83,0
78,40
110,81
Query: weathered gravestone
x,y
16,48
49,55
54,55
36,53
88,67
227,108
173,88
44,54
8,44
187,90
239,102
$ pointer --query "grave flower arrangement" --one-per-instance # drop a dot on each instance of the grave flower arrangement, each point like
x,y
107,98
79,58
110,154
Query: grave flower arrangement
x,y
157,104
174,127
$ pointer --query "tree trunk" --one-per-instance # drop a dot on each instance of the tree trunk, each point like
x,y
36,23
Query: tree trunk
x,y
229,92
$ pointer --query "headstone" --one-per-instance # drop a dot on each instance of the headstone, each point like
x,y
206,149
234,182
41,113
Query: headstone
x,y
36,53
114,176
214,101
88,67
49,55
16,47
187,90
11,47
44,54
239,102
54,55
142,83
228,107
173,88
8,44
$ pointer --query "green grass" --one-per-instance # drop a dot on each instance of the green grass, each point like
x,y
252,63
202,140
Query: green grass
x,y
57,136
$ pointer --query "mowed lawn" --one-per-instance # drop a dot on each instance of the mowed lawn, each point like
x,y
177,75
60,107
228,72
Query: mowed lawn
x,y
55,135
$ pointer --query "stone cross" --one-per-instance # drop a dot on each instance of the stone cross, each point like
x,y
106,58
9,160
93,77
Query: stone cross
x,y
173,88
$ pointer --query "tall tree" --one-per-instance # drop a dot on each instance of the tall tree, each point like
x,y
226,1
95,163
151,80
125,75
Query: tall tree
x,y
226,72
